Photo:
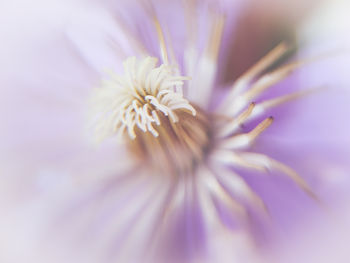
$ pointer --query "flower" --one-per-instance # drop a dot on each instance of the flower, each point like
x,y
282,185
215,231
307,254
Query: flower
x,y
172,188
165,115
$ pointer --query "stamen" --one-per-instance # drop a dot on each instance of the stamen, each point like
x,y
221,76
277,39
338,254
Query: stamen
x,y
266,81
207,64
260,128
271,79
220,194
190,52
232,126
205,203
163,49
173,58
263,64
239,188
155,117
215,36
231,158
269,59
270,163
243,140
262,107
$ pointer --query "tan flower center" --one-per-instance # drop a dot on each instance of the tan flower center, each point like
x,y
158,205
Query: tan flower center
x,y
180,145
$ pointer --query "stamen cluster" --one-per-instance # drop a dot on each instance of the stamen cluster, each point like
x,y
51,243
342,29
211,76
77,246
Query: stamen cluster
x,y
138,98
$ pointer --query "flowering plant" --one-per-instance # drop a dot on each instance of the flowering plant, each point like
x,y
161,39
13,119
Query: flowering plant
x,y
179,173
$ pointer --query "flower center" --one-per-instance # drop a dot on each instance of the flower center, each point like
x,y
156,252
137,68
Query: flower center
x,y
180,145
147,108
